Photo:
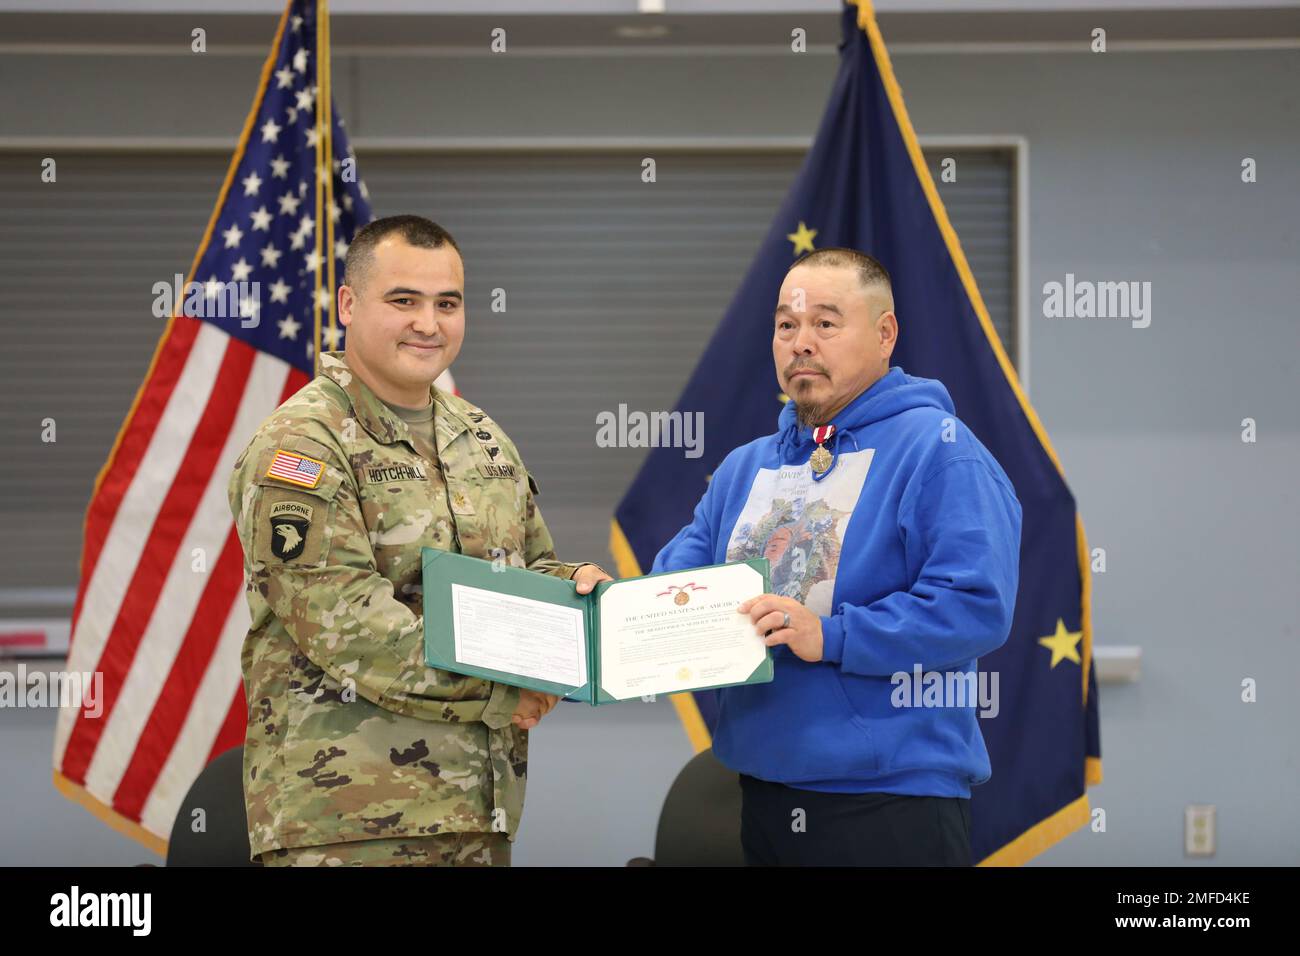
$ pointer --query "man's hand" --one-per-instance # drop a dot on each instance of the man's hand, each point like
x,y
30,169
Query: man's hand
x,y
533,706
588,576
804,635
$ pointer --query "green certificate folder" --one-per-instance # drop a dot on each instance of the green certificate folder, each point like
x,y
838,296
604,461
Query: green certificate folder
x,y
667,633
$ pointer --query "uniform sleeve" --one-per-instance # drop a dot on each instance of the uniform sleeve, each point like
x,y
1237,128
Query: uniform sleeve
x,y
308,556
539,550
962,530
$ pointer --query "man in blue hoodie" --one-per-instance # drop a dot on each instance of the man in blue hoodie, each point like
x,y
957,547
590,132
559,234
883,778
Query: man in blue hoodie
x,y
894,542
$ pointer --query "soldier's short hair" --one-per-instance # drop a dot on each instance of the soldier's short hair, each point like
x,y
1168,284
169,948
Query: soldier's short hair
x,y
870,271
414,230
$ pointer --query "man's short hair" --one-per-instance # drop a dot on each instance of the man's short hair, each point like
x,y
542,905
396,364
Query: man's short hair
x,y
414,230
870,271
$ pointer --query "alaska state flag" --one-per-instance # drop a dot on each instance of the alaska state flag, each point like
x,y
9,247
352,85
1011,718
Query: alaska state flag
x,y
865,185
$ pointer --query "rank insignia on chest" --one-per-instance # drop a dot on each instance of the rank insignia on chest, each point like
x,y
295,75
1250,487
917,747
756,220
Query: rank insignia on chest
x,y
460,503
289,523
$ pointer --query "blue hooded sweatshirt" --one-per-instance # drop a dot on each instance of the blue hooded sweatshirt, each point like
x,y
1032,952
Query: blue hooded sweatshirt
x,y
908,549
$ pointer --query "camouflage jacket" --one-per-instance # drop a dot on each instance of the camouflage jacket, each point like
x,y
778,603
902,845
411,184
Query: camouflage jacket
x,y
350,735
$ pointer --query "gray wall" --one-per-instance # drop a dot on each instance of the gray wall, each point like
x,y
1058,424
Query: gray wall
x,y
1134,174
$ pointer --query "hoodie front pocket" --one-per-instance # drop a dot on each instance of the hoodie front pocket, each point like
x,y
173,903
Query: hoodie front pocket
x,y
855,720
800,727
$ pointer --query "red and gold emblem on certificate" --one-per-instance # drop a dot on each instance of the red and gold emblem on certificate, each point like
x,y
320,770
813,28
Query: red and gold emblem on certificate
x,y
681,593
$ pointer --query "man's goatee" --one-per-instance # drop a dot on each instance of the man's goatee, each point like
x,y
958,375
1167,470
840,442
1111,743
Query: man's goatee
x,y
808,414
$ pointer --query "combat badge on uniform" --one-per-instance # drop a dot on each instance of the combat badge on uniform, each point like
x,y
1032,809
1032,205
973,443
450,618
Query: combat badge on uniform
x,y
289,523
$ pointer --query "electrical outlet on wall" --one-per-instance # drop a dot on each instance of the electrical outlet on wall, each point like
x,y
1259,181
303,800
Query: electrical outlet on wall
x,y
1198,829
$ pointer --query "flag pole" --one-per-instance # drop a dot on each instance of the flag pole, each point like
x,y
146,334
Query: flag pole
x,y
325,106
322,85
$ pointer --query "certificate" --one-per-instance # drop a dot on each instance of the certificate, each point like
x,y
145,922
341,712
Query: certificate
x,y
679,631
627,640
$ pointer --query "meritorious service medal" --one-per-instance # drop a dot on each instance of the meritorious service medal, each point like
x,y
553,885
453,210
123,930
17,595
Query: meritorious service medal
x,y
821,458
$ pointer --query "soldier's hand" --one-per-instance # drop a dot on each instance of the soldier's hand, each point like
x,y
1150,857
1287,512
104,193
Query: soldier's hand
x,y
588,576
533,706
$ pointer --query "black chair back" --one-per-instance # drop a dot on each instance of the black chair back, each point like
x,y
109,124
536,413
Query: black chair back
x,y
223,839
700,822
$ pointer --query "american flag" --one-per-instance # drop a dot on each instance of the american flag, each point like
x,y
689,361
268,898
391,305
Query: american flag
x,y
160,610
295,468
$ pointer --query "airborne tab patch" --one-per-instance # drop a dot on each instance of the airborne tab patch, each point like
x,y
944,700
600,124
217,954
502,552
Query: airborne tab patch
x,y
289,523
296,469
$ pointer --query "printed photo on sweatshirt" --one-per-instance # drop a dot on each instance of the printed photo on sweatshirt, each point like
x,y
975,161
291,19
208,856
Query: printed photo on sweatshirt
x,y
798,524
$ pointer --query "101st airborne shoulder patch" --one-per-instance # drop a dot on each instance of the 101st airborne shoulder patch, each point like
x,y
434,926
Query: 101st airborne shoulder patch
x,y
290,521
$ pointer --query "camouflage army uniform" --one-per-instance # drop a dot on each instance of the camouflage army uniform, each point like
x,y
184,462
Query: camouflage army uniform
x,y
448,849
350,735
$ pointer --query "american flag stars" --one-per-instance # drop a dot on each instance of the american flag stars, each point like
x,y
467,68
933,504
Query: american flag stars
x,y
267,228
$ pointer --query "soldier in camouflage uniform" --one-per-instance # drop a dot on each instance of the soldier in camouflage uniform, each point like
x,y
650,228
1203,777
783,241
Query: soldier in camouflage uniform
x,y
357,753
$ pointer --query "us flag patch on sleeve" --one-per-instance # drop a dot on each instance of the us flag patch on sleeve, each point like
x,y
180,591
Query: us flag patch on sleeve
x,y
296,469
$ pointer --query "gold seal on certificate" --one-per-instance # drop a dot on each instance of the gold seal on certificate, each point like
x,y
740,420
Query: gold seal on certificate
x,y
628,639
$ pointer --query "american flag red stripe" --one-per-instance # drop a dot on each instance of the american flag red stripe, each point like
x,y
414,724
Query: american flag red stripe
x,y
125,457
222,596
160,610
160,555
231,732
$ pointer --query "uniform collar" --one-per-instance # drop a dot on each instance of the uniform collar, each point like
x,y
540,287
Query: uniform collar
x,y
373,415
385,425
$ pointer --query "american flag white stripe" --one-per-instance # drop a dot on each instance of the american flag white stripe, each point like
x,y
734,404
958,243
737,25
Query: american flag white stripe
x,y
127,540
180,593
199,732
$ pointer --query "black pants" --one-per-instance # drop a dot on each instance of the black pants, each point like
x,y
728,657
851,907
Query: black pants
x,y
850,829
